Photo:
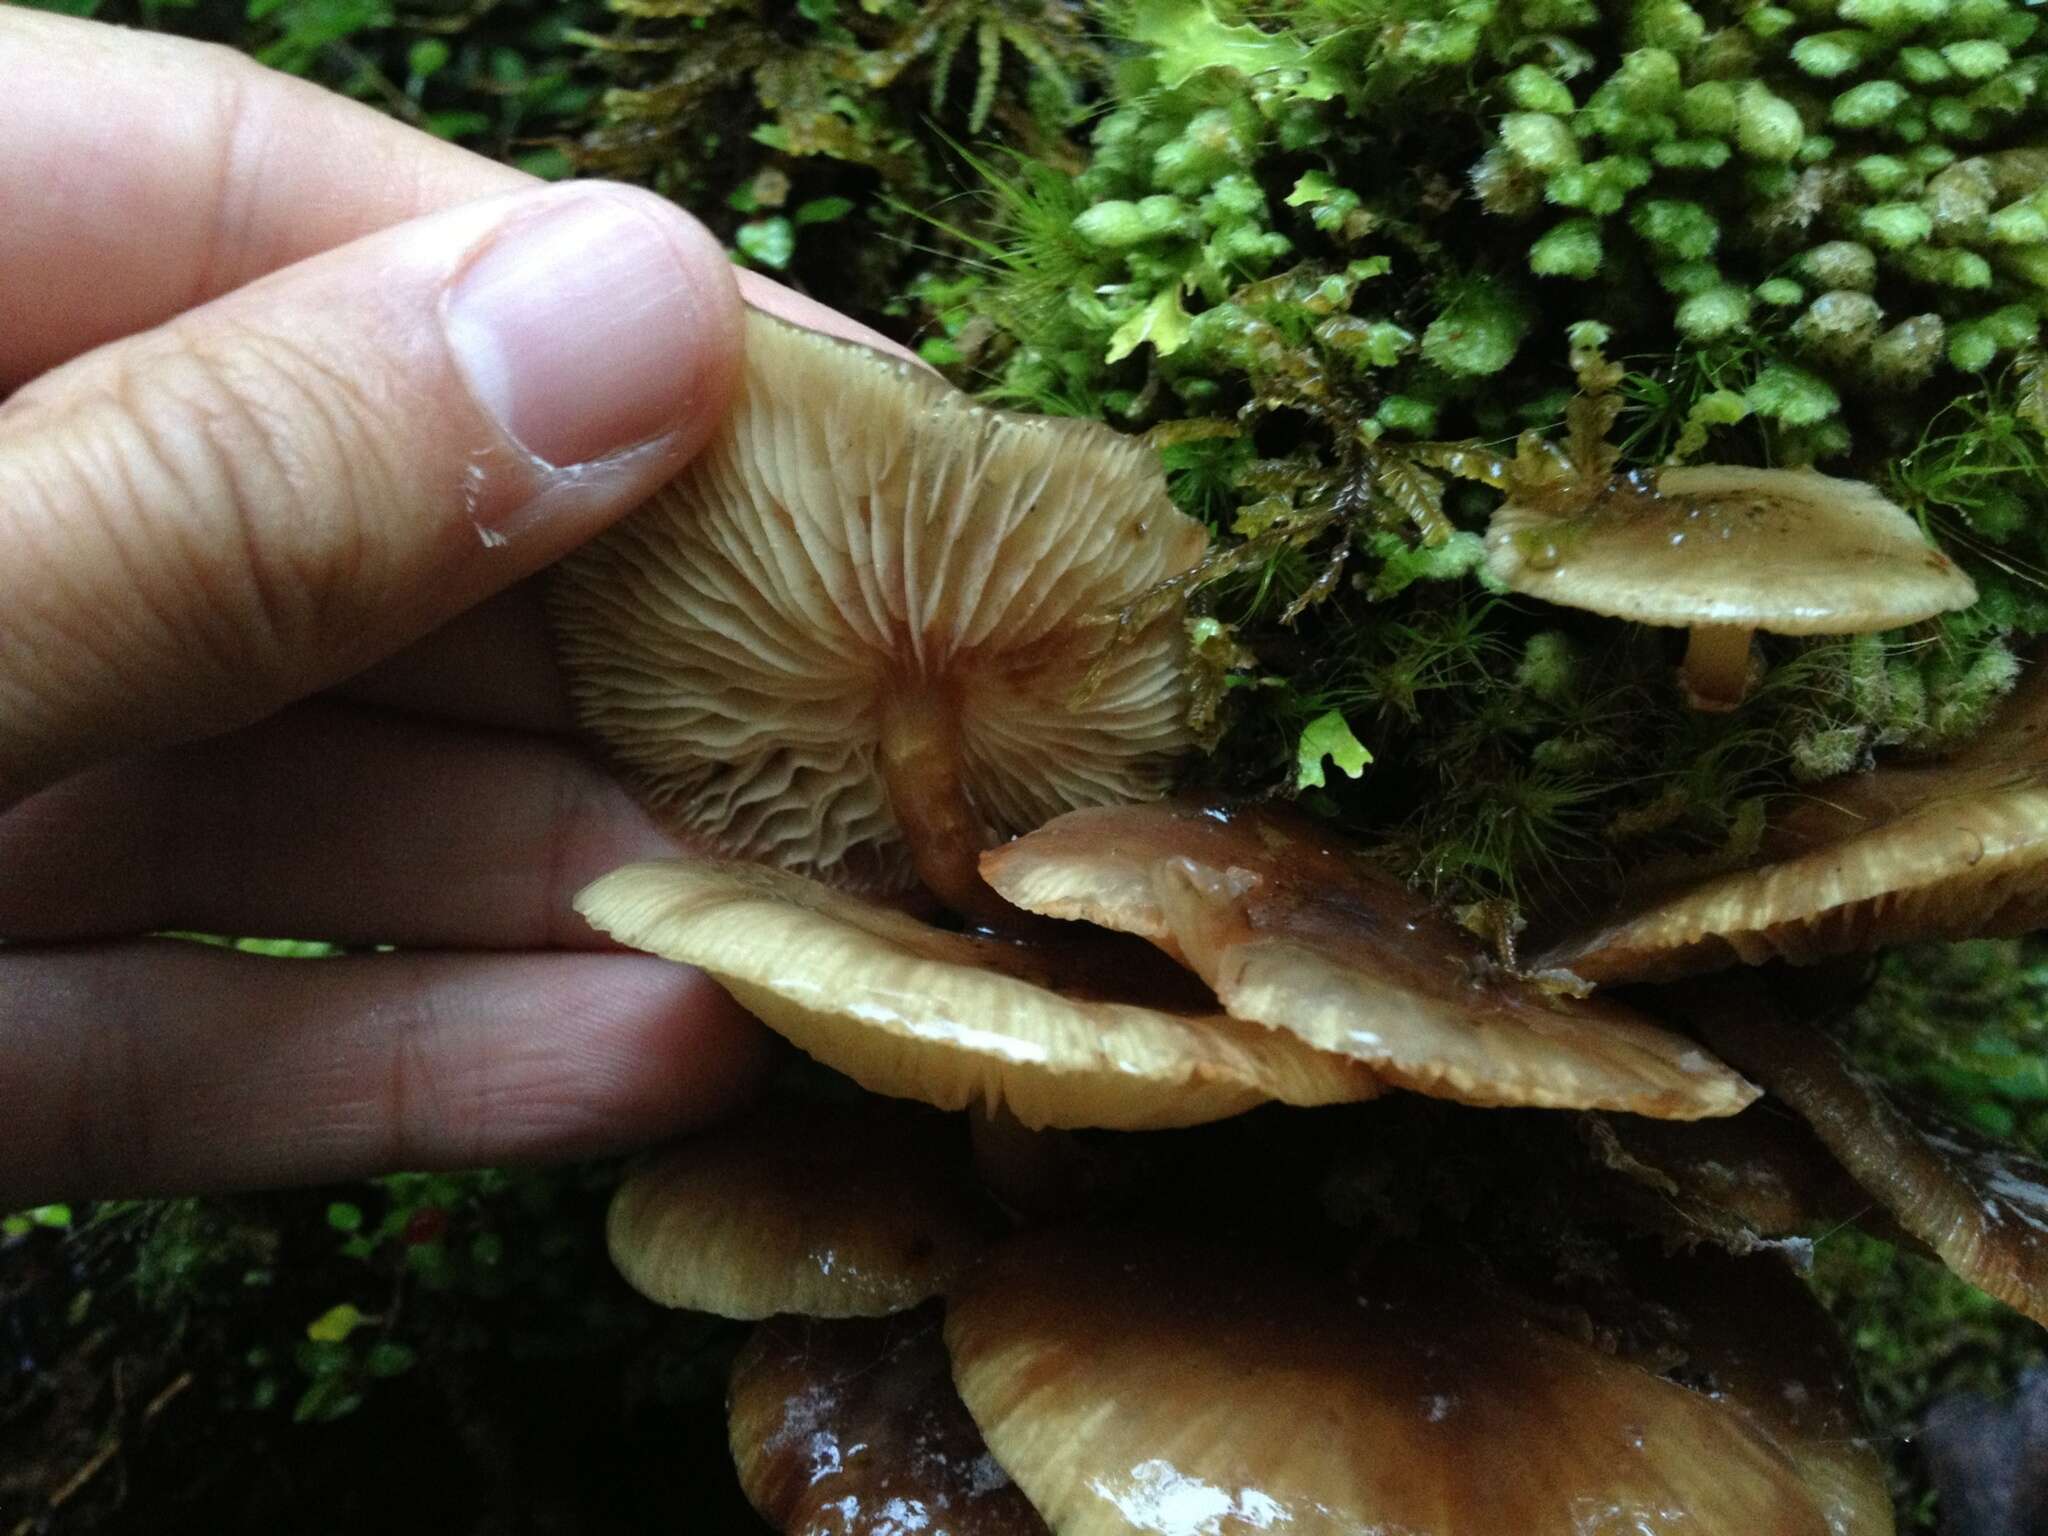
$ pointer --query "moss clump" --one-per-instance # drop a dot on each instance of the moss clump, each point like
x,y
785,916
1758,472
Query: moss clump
x,y
805,133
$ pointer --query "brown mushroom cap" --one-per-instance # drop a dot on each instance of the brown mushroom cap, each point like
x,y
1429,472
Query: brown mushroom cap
x,y
956,1020
1725,551
1294,935
854,1429
825,1210
1135,1386
1786,550
1955,850
1756,1338
1983,1209
853,633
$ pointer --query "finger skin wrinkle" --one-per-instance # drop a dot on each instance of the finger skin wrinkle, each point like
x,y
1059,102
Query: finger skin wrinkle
x,y
417,1105
328,822
257,453
85,608
235,144
107,1130
585,805
163,1067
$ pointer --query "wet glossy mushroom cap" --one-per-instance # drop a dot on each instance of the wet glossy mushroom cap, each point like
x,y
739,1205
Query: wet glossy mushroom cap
x,y
956,1020
1131,1385
1950,851
1725,551
853,1428
1755,1337
824,1210
1295,934
851,638
1982,1209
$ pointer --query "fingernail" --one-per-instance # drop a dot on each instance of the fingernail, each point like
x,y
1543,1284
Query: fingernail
x,y
577,329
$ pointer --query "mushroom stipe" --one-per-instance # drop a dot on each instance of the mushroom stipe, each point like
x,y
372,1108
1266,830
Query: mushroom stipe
x,y
848,639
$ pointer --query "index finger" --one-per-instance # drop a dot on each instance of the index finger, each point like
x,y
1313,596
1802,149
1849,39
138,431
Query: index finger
x,y
145,175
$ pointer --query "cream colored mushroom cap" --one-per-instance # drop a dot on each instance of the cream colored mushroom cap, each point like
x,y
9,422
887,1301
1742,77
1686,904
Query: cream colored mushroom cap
x,y
815,1209
1294,935
949,1019
1967,856
1130,1385
1786,550
859,531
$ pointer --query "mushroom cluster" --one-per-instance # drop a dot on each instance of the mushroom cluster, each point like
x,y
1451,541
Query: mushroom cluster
x,y
880,635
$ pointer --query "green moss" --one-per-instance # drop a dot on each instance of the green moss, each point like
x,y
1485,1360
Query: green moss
x,y
1769,219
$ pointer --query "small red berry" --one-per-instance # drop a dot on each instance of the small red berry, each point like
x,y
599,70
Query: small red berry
x,y
425,1226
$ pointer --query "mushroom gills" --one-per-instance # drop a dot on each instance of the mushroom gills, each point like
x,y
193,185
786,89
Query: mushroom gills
x,y
849,639
1982,1209
1949,850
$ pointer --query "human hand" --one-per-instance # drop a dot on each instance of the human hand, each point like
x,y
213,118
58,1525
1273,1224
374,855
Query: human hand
x,y
301,396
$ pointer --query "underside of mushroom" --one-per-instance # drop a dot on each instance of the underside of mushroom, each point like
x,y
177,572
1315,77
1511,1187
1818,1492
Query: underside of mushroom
x,y
875,626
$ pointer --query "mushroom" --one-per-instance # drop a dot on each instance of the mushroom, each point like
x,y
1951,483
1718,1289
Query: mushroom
x,y
1296,934
1135,1384
1983,1209
1952,850
1723,552
1739,1182
853,1428
832,1211
867,631
1756,1338
958,1020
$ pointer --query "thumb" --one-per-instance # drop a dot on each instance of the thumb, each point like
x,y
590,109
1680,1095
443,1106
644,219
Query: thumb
x,y
206,521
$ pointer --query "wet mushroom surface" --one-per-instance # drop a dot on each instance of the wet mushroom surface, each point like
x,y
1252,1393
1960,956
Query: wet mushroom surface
x,y
1956,849
853,1428
1055,1035
876,630
1724,551
1295,933
1982,1208
1137,1384
830,1210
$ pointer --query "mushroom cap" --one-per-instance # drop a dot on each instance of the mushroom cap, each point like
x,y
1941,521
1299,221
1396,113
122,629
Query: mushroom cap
x,y
853,1428
1898,854
1758,1339
824,1210
1296,936
953,1019
856,531
1983,1209
1139,1386
1758,1175
1786,550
